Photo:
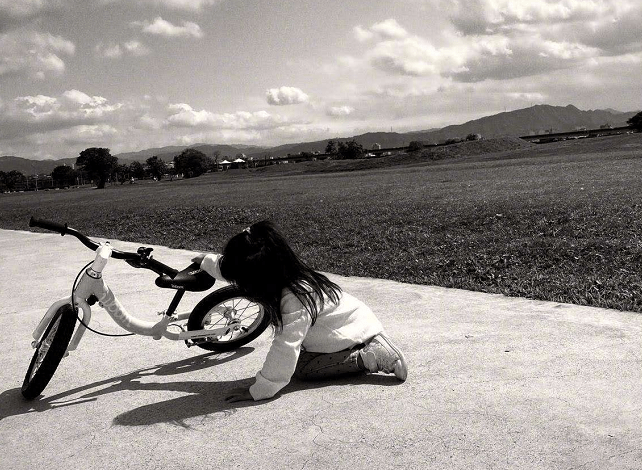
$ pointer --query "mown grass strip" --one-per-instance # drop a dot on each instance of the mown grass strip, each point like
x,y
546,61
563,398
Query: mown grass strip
x,y
563,226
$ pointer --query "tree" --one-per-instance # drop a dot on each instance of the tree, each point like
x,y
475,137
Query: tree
x,y
63,176
156,167
349,150
121,173
636,122
214,159
472,136
98,163
331,147
136,170
12,179
192,163
415,146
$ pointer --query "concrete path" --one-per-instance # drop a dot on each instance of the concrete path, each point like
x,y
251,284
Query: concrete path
x,y
494,382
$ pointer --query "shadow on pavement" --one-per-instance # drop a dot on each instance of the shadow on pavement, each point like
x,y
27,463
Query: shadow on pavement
x,y
207,398
201,399
12,402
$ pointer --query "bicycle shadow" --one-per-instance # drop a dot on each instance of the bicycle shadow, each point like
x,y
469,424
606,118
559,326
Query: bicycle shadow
x,y
200,399
12,403
209,399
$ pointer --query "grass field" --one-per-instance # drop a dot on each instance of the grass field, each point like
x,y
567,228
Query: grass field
x,y
557,222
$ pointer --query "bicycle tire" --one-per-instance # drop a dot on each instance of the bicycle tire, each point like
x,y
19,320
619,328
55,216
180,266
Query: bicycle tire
x,y
50,351
252,319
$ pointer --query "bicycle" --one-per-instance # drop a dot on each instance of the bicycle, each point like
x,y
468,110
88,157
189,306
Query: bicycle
x,y
222,321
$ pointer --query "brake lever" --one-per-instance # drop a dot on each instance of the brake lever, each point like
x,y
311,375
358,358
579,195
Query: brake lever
x,y
143,256
144,252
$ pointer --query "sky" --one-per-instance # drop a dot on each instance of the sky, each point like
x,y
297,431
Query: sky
x,y
136,74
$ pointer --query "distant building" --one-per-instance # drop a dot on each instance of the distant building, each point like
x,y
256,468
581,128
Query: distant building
x,y
238,163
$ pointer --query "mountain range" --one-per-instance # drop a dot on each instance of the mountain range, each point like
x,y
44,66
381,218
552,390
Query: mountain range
x,y
537,119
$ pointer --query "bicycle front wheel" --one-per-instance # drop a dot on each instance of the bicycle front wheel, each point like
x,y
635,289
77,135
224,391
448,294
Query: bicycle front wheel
x,y
49,352
227,310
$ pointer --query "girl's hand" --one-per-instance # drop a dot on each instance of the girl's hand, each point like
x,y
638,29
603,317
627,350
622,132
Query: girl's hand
x,y
198,259
239,394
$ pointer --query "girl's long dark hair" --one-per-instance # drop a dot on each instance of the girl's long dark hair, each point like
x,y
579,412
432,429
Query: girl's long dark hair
x,y
261,263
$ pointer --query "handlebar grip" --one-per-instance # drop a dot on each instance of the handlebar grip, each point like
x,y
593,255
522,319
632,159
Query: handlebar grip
x,y
48,225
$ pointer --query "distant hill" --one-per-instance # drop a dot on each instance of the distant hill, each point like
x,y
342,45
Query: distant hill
x,y
32,167
143,155
385,139
533,120
168,153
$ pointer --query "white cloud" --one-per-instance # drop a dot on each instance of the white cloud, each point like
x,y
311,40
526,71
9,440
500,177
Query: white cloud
x,y
389,29
136,48
413,55
112,50
530,97
340,111
530,55
183,115
505,39
614,26
285,96
37,106
161,27
362,34
83,99
566,50
188,5
27,115
483,16
33,53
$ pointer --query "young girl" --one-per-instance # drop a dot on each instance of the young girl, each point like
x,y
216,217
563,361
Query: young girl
x,y
320,331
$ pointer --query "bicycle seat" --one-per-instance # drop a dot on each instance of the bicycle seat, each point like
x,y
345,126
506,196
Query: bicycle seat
x,y
192,279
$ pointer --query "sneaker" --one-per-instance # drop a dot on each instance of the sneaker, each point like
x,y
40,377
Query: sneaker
x,y
381,355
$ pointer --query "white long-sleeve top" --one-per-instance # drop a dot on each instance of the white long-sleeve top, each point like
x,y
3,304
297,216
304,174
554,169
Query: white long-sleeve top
x,y
339,326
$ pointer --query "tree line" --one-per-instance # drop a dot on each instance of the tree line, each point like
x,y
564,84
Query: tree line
x,y
98,165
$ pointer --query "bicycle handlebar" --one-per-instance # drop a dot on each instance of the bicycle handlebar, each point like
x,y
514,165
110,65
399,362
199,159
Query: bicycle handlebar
x,y
89,243
48,225
140,257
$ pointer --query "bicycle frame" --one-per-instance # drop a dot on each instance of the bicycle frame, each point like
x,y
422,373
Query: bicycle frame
x,y
92,283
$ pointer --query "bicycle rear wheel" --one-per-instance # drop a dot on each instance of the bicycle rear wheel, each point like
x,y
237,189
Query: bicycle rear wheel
x,y
244,319
49,352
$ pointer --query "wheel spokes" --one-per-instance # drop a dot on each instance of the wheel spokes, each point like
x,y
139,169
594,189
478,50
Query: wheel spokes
x,y
239,313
